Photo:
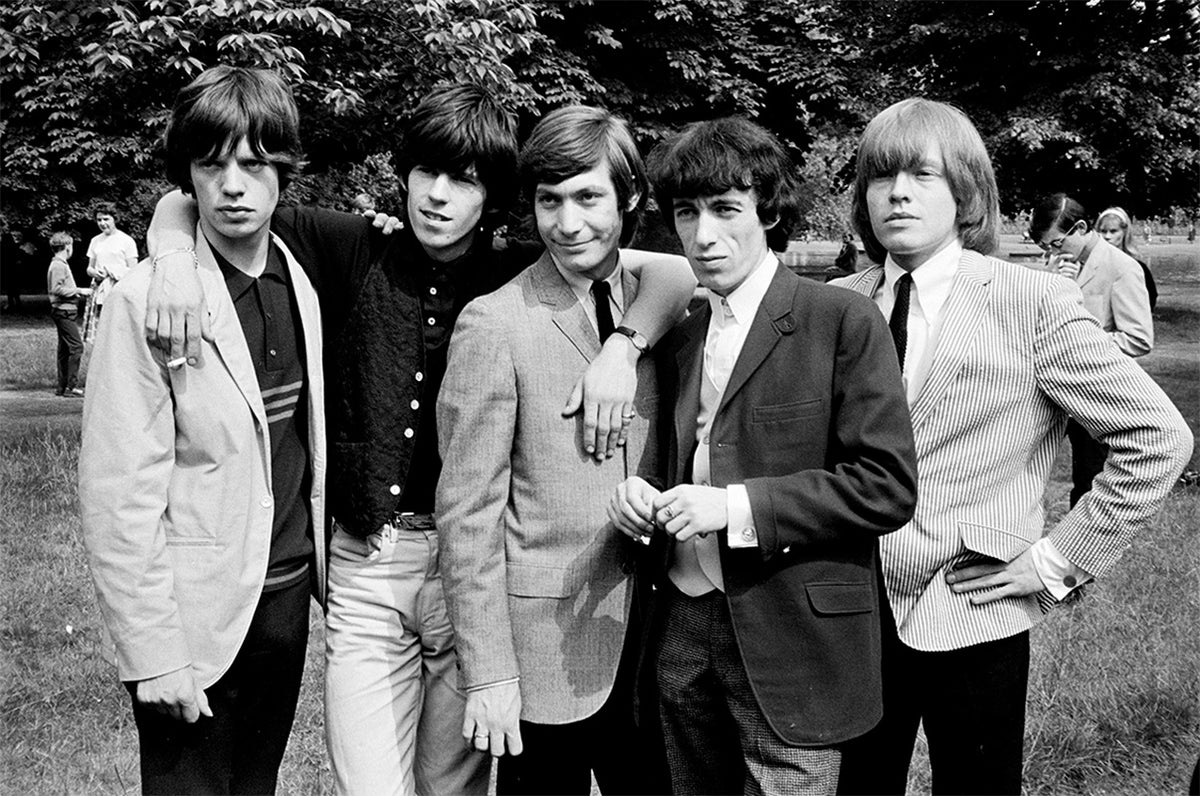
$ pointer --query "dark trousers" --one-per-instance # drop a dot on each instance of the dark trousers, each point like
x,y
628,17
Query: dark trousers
x,y
239,749
624,753
70,347
717,738
972,701
1087,459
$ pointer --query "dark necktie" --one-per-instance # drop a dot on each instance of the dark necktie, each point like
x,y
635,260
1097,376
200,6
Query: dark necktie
x,y
604,319
899,320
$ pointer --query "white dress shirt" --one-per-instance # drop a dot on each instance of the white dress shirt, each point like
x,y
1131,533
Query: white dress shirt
x,y
697,565
932,282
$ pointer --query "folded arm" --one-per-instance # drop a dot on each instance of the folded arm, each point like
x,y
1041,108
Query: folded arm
x,y
605,391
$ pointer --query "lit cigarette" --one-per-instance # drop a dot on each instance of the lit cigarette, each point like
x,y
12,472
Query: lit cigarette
x,y
178,362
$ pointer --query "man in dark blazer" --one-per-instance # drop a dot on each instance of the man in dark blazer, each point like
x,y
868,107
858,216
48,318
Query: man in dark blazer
x,y
789,455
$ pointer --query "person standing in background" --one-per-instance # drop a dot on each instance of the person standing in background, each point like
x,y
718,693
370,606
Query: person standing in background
x,y
64,305
1114,226
1114,292
111,254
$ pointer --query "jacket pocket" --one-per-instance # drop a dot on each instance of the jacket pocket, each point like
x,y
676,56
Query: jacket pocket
x,y
992,542
796,410
832,598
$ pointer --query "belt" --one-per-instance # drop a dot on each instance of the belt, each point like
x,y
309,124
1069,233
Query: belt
x,y
409,521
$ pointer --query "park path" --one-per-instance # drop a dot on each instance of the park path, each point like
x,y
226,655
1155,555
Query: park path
x,y
25,412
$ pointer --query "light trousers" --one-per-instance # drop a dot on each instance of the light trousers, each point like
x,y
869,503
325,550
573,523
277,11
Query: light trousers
x,y
393,711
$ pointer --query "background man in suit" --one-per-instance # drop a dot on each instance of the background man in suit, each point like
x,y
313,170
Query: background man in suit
x,y
200,488
790,453
1114,289
995,358
538,584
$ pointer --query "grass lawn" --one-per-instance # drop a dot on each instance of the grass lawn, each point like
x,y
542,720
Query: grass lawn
x,y
1114,698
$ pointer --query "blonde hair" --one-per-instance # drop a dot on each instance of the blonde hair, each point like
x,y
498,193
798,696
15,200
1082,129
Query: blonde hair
x,y
899,138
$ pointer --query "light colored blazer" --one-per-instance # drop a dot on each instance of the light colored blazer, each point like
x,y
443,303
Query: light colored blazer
x,y
1114,292
175,480
537,581
1016,354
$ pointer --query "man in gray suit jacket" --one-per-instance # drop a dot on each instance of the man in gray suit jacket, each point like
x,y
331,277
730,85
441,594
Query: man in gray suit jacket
x,y
538,584
995,358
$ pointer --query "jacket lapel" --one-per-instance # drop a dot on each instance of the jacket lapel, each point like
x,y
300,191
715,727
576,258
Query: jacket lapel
x,y
773,319
966,305
565,310
865,282
228,337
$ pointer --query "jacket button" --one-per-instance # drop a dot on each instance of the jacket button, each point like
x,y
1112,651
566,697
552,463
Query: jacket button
x,y
419,376
394,489
415,404
408,433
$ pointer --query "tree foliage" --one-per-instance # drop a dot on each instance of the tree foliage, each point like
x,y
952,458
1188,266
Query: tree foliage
x,y
1100,99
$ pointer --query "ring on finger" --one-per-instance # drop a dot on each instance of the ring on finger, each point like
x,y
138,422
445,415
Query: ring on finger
x,y
670,512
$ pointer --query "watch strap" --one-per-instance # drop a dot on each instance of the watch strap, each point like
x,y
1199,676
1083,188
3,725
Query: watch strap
x,y
637,338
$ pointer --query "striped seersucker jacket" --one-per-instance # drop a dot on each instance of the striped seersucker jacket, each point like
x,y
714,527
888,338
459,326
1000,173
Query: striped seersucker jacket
x,y
1017,354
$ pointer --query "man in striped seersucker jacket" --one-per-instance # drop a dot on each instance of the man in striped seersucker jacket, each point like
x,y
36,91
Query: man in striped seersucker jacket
x,y
995,358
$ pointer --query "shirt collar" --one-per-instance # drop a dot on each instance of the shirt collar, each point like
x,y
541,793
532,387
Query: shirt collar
x,y
1089,247
932,279
238,281
744,300
581,285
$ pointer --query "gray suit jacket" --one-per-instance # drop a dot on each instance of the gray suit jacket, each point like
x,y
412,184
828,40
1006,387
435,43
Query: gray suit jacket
x,y
1017,354
537,581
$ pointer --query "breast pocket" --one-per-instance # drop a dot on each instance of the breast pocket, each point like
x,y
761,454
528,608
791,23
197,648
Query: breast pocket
x,y
787,412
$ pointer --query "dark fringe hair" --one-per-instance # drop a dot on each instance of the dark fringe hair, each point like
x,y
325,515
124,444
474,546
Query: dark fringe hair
x,y
222,106
461,127
577,138
712,157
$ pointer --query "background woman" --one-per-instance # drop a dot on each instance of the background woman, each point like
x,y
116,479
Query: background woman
x,y
1114,226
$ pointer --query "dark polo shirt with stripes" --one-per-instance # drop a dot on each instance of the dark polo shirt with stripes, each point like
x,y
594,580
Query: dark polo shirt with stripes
x,y
270,318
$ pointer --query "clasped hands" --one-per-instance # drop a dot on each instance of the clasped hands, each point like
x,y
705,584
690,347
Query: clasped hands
x,y
637,508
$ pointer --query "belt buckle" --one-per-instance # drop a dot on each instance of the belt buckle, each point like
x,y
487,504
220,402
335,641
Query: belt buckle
x,y
411,521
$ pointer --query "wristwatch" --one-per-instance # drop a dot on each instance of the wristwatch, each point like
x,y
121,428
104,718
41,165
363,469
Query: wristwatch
x,y
637,338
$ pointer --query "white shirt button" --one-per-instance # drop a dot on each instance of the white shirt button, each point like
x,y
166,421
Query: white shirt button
x,y
265,503
408,433
394,489
415,404
704,441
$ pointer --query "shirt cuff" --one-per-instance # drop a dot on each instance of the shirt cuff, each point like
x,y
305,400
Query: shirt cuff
x,y
742,532
497,684
1058,574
